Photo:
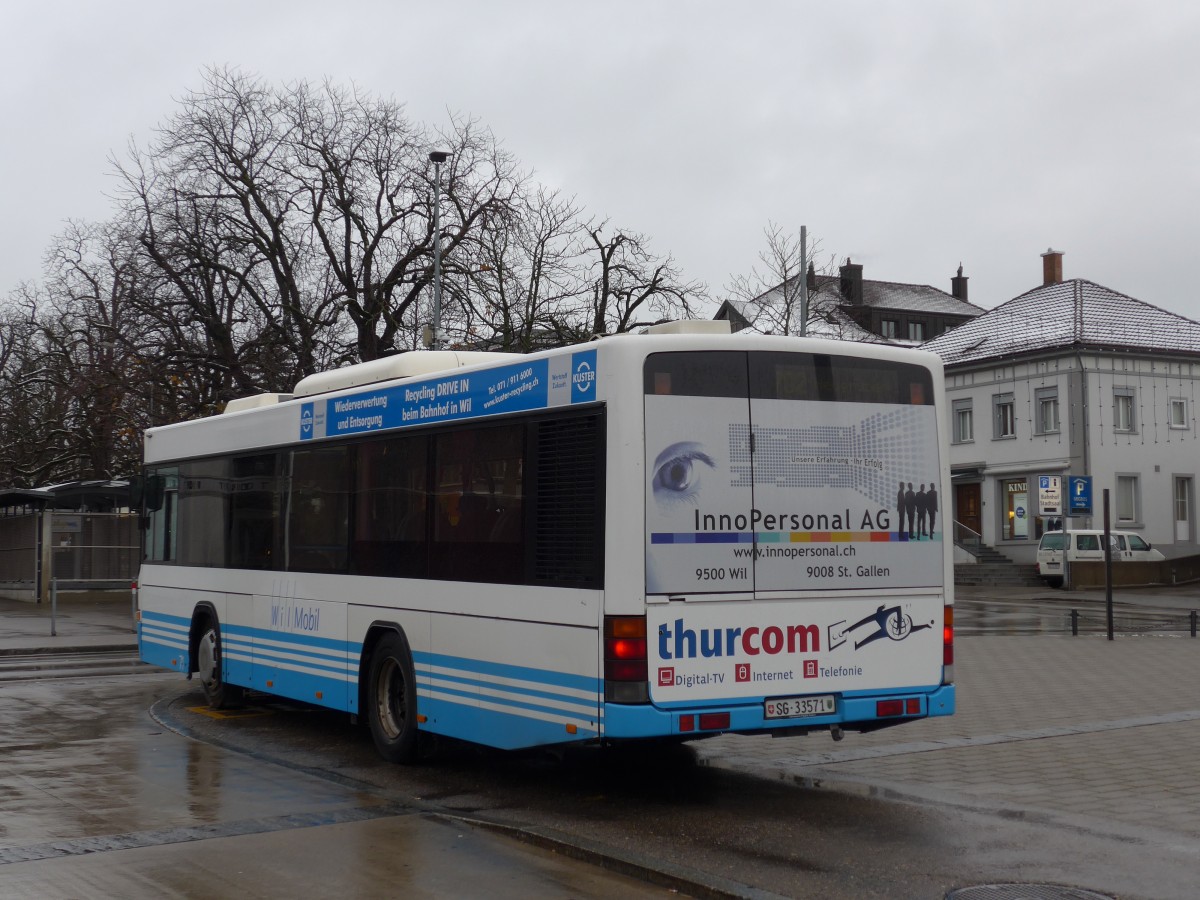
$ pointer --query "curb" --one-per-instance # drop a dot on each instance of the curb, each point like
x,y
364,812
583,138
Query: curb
x,y
58,649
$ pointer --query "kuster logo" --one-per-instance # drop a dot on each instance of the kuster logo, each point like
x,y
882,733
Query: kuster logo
x,y
583,377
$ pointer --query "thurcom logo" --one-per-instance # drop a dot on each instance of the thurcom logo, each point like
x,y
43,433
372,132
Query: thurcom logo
x,y
682,642
583,376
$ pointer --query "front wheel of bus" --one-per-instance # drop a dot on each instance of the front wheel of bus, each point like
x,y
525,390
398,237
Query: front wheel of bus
x,y
218,693
392,699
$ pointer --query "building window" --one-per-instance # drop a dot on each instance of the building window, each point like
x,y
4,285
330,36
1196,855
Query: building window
x,y
1016,519
889,328
1047,410
1179,412
1004,418
1127,499
1123,419
964,425
916,331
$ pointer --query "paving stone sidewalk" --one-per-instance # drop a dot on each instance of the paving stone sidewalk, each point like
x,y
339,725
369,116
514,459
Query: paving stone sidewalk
x,y
1096,734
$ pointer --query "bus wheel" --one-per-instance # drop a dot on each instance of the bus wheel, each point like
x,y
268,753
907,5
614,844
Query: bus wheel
x,y
217,692
392,699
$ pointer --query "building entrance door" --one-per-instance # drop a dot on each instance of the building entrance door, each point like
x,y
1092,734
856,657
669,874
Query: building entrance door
x,y
1183,508
967,506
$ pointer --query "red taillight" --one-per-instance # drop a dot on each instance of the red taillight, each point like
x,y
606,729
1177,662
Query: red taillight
x,y
900,706
707,722
889,708
625,670
948,641
625,648
714,721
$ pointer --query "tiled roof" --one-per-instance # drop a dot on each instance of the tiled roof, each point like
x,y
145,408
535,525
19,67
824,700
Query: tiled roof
x,y
834,323
894,295
826,320
1076,313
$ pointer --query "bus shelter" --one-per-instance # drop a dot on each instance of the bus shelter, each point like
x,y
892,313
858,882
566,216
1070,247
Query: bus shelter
x,y
81,535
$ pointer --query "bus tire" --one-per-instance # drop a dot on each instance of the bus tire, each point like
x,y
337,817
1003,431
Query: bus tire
x,y
1054,581
392,699
210,668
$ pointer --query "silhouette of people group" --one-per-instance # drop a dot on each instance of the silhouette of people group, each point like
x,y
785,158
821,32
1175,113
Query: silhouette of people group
x,y
918,510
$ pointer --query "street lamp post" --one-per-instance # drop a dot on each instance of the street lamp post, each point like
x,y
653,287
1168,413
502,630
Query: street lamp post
x,y
437,157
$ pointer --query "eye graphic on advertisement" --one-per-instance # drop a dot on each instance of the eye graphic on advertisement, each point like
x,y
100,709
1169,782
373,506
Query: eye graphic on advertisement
x,y
678,471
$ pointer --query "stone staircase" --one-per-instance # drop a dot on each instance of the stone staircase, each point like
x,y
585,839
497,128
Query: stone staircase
x,y
996,568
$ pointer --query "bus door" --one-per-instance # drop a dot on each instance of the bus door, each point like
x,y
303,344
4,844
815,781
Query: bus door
x,y
700,491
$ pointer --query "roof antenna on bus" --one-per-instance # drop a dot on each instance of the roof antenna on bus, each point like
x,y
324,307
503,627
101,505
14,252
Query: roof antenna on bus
x,y
835,731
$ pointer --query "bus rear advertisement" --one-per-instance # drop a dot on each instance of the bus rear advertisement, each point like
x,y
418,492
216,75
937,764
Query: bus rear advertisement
x,y
660,535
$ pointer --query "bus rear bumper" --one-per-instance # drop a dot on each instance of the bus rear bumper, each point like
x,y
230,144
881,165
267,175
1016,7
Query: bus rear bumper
x,y
861,711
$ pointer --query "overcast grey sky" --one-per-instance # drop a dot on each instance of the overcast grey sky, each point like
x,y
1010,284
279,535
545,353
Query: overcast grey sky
x,y
909,136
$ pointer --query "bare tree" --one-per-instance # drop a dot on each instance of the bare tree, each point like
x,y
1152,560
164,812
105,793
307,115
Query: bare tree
x,y
31,453
370,184
630,287
294,225
771,297
224,221
521,290
91,336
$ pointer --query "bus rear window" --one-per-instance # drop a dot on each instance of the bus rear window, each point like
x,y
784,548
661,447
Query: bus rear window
x,y
697,374
777,375
838,379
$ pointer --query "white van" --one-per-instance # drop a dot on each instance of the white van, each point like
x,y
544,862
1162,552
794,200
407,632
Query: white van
x,y
1088,545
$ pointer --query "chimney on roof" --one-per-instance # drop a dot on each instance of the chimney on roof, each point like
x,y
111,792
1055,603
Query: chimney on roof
x,y
851,283
958,285
1052,266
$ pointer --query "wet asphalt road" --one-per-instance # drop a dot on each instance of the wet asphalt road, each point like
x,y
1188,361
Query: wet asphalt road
x,y
127,786
99,800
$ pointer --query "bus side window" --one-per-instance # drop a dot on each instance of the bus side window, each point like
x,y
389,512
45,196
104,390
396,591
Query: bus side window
x,y
254,512
390,508
161,521
318,510
479,484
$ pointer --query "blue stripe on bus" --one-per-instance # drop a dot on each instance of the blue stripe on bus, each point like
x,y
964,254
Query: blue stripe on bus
x,y
505,670
444,678
162,640
288,637
163,617
455,700
585,708
258,645
498,729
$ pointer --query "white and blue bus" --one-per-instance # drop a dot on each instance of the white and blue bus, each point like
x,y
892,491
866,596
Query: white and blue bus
x,y
661,535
